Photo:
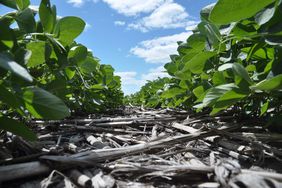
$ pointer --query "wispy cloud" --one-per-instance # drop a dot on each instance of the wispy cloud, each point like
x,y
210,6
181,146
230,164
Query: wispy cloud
x,y
131,83
80,3
119,23
134,7
168,15
158,50
76,3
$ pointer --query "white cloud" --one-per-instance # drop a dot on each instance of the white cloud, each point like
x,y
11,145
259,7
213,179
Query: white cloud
x,y
134,7
129,78
168,15
131,84
80,3
119,23
76,3
155,73
158,50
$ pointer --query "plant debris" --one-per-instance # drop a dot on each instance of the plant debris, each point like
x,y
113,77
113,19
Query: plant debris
x,y
143,148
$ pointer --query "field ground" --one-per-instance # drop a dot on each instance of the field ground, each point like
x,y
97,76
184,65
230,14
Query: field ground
x,y
144,148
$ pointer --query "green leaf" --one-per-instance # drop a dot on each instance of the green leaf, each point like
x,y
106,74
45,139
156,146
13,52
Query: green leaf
x,y
17,128
227,11
22,4
47,16
42,104
197,42
172,92
197,63
271,84
214,93
37,53
205,12
241,71
227,99
265,15
26,21
77,54
264,108
7,63
218,78
68,28
8,97
89,65
9,3
70,72
199,91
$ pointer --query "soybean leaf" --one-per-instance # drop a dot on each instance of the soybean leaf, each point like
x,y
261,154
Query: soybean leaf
x,y
198,91
9,3
172,92
47,16
214,93
227,11
68,28
241,71
197,63
42,104
227,99
274,83
37,53
264,108
8,97
22,4
77,54
7,63
265,15
17,128
26,21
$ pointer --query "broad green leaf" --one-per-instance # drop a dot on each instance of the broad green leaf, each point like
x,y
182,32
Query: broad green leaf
x,y
89,65
22,4
47,16
271,84
227,11
226,100
9,3
214,93
172,92
264,108
77,54
26,21
211,32
68,28
205,12
218,78
171,68
197,42
97,87
241,71
198,91
70,72
197,63
8,97
17,128
42,104
265,15
7,63
225,67
37,53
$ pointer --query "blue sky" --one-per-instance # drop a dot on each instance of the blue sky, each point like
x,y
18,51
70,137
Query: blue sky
x,y
135,36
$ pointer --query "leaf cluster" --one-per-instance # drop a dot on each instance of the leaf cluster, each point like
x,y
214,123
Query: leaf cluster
x,y
232,59
44,73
